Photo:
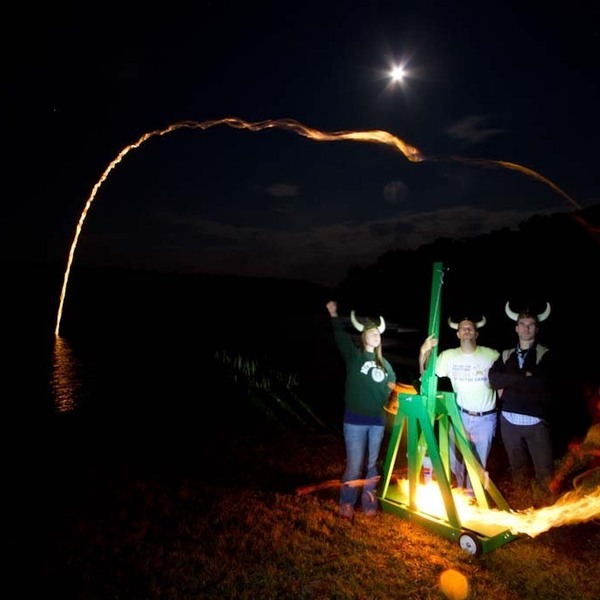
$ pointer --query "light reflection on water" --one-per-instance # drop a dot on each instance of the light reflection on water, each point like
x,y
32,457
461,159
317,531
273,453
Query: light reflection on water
x,y
67,382
113,375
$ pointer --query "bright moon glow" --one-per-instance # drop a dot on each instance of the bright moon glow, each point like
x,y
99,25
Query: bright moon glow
x,y
398,73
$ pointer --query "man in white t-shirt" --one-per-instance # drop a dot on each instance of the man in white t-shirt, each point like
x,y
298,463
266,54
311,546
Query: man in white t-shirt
x,y
467,368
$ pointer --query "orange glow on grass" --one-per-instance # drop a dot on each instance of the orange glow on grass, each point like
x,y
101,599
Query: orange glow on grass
x,y
454,585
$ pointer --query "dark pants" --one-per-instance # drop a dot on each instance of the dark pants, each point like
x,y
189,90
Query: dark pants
x,y
524,443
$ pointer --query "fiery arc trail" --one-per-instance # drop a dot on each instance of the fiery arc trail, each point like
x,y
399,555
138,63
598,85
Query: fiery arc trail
x,y
373,136
486,162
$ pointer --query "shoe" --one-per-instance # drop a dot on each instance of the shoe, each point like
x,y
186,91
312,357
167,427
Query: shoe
x,y
347,512
370,513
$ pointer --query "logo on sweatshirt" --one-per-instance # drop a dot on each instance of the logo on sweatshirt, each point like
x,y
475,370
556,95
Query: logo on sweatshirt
x,y
377,373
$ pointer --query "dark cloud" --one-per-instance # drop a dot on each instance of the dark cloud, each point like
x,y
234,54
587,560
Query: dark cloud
x,y
471,130
283,190
395,192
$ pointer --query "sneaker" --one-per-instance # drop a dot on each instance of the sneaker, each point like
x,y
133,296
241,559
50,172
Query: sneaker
x,y
347,512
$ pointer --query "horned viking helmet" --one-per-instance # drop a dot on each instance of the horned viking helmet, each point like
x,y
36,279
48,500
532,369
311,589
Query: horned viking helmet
x,y
368,324
515,316
478,325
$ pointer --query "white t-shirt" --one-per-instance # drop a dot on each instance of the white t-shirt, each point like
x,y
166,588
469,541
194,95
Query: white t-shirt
x,y
468,374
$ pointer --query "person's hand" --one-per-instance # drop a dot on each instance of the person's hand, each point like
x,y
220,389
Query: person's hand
x,y
428,344
426,347
331,306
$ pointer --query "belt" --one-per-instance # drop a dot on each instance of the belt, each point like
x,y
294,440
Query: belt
x,y
476,413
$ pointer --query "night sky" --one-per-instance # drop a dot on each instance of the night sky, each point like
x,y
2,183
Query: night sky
x,y
500,81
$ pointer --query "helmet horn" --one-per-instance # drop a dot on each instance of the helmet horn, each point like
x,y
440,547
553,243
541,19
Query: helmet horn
x,y
511,314
543,316
478,325
360,327
381,327
515,316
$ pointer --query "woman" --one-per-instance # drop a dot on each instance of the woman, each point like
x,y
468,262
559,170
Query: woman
x,y
369,380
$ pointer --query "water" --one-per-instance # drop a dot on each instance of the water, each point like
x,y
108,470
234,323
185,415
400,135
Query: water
x,y
135,364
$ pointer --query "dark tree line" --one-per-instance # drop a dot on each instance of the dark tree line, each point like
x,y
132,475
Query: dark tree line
x,y
553,258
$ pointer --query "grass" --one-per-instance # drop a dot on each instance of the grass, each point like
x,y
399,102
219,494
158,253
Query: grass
x,y
219,516
240,501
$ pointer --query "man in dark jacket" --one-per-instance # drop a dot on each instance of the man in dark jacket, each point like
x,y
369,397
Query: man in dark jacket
x,y
522,377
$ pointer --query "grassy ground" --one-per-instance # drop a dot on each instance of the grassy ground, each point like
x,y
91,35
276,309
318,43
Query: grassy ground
x,y
219,517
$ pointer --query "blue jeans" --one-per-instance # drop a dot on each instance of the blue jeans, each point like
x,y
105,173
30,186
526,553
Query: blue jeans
x,y
523,442
480,432
363,443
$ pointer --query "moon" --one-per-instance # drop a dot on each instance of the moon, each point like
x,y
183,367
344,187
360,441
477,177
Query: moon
x,y
398,73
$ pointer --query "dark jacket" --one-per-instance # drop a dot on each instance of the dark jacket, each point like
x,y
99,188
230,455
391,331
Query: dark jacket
x,y
518,392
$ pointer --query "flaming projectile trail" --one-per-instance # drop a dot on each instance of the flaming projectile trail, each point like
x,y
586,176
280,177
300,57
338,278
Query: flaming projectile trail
x,y
375,136
484,162
372,136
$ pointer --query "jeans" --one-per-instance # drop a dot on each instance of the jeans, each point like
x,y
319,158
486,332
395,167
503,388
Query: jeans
x,y
363,443
480,432
524,441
